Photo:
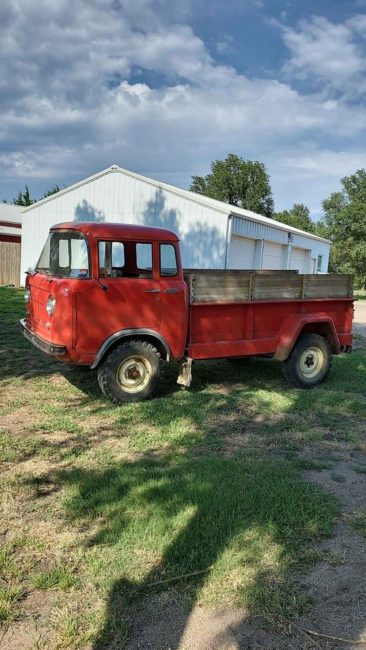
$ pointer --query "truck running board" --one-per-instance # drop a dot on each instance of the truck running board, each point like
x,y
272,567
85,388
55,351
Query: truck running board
x,y
185,372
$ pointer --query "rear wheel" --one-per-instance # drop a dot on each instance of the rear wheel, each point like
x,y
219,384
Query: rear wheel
x,y
309,361
131,372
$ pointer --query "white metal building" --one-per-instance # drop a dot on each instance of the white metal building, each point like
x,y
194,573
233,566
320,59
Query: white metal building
x,y
213,234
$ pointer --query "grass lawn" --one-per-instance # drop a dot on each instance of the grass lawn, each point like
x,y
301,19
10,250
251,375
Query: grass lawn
x,y
360,294
104,505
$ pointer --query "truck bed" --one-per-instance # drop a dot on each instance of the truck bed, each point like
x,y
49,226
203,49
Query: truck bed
x,y
240,313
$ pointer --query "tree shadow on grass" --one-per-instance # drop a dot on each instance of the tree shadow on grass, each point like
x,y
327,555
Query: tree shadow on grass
x,y
241,522
236,524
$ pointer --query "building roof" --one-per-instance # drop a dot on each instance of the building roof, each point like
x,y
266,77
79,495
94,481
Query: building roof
x,y
120,230
220,206
10,219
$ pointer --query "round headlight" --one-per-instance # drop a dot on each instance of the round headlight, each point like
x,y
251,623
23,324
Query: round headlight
x,y
51,305
27,296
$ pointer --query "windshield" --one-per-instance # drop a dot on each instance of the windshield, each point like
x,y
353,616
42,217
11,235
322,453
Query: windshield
x,y
65,254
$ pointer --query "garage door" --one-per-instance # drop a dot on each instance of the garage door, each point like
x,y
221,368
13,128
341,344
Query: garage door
x,y
298,260
241,253
273,256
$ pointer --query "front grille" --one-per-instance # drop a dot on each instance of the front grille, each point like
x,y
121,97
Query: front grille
x,y
37,306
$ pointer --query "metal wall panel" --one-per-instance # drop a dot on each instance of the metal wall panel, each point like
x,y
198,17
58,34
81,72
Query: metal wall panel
x,y
273,256
259,231
241,253
117,197
298,260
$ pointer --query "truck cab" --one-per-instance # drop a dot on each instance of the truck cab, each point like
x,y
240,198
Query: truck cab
x,y
99,286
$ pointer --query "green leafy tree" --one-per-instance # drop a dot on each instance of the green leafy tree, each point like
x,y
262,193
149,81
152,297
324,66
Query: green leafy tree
x,y
297,217
344,223
24,198
240,182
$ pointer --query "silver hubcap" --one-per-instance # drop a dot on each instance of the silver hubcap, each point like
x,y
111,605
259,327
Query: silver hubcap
x,y
311,362
133,374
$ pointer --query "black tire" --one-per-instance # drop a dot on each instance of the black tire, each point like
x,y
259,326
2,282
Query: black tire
x,y
131,372
309,362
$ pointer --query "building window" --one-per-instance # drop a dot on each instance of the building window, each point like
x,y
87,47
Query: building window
x,y
319,264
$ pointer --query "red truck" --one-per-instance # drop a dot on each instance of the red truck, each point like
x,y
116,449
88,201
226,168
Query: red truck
x,y
116,298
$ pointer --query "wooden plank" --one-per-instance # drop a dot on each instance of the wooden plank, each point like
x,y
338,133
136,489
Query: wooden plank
x,y
332,285
220,286
9,263
276,287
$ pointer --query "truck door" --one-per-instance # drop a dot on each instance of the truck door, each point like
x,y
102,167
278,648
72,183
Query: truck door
x,y
134,284
128,295
174,299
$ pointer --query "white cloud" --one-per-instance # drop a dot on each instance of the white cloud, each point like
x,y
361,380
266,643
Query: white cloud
x,y
70,103
327,52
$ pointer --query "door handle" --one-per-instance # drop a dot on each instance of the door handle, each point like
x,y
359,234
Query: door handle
x,y
152,291
172,290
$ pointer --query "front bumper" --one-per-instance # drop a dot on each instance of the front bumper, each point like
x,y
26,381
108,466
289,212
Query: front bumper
x,y
38,342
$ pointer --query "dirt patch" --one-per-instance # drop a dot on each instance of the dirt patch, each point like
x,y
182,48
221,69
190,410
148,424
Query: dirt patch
x,y
165,622
336,587
33,630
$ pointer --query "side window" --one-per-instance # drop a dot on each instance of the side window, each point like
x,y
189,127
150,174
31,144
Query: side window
x,y
104,267
144,257
319,264
111,259
168,260
118,254
63,253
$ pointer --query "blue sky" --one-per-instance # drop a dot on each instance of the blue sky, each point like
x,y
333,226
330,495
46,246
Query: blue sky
x,y
163,87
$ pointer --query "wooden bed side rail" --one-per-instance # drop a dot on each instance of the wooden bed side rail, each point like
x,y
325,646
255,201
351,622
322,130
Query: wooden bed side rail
x,y
247,286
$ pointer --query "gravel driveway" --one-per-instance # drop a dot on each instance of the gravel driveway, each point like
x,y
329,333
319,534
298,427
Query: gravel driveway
x,y
359,320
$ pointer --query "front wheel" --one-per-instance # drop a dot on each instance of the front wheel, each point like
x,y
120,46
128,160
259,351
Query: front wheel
x,y
131,372
309,361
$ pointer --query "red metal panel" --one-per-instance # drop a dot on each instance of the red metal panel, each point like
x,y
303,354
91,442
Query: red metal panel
x,y
224,349
117,230
10,224
240,329
14,239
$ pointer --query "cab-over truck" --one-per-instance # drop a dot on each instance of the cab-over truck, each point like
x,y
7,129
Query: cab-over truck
x,y
115,298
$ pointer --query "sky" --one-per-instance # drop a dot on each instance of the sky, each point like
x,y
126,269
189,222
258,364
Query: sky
x,y
164,87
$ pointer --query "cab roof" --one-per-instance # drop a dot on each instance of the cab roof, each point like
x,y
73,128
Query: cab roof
x,y
119,230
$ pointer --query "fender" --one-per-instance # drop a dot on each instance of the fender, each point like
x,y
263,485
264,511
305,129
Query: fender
x,y
123,334
293,325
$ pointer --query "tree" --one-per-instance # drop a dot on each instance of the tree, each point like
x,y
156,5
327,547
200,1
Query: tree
x,y
53,190
344,223
240,182
297,217
24,198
